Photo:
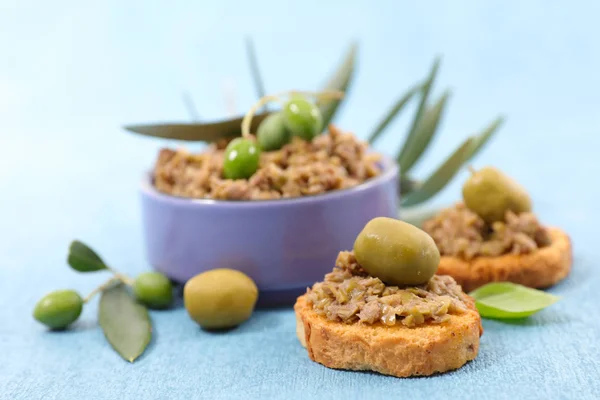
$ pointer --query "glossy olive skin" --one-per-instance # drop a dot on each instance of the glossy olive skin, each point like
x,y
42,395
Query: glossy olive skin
x,y
272,133
490,194
59,309
220,298
396,252
302,118
242,157
153,289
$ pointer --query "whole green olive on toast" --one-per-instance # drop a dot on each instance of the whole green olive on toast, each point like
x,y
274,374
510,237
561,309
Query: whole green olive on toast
x,y
490,194
396,252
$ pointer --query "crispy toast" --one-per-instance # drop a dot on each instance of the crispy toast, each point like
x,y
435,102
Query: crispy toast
x,y
540,269
397,350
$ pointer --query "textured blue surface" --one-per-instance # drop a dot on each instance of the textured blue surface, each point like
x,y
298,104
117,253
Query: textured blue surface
x,y
73,72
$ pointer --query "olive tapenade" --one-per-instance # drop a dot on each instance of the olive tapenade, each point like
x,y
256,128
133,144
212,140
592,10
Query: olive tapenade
x,y
383,309
331,161
494,236
350,295
459,232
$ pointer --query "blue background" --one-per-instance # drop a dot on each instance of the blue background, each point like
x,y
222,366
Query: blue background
x,y
72,73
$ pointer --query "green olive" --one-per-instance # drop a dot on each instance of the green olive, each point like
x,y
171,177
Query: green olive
x,y
59,309
302,118
396,252
220,298
272,133
490,194
242,157
153,289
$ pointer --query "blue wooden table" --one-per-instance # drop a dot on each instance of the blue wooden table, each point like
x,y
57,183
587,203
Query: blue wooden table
x,y
72,73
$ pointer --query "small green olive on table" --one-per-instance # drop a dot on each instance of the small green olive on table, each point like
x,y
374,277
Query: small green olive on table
x,y
272,133
242,157
490,194
302,118
396,252
153,289
59,309
220,298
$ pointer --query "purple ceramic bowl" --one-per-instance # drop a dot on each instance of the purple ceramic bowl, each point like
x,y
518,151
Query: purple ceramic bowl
x,y
284,245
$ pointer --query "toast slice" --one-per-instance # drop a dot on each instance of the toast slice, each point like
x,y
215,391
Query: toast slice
x,y
397,350
540,269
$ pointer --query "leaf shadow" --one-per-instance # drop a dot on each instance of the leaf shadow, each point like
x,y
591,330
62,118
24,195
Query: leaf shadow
x,y
469,366
78,326
258,322
543,318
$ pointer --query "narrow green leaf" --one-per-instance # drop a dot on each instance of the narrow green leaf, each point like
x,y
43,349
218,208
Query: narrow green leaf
x,y
426,128
393,112
438,180
505,300
485,135
83,259
407,185
201,132
126,323
425,89
339,81
191,108
254,70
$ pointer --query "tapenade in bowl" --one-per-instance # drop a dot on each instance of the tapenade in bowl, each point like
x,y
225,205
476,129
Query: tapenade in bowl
x,y
384,309
277,205
493,235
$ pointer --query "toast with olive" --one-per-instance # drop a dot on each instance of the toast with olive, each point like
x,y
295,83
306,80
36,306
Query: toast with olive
x,y
391,350
384,309
493,235
539,269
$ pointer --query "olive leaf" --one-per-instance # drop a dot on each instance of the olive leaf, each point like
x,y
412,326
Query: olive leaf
x,y
254,70
485,135
204,132
425,130
392,113
83,259
445,172
125,323
425,89
505,300
407,185
340,81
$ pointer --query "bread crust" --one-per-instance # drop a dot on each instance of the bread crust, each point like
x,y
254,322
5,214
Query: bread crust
x,y
398,351
540,269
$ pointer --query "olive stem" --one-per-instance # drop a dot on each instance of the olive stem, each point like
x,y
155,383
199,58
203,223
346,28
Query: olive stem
x,y
248,117
471,169
101,288
123,278
325,95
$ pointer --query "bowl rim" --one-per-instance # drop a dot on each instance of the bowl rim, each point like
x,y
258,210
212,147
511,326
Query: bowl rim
x,y
390,171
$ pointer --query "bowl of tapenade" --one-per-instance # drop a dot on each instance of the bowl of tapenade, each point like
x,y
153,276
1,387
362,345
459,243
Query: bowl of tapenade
x,y
276,205
383,308
493,235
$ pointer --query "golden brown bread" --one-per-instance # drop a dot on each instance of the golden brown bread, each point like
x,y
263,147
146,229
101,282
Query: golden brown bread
x,y
540,269
398,350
